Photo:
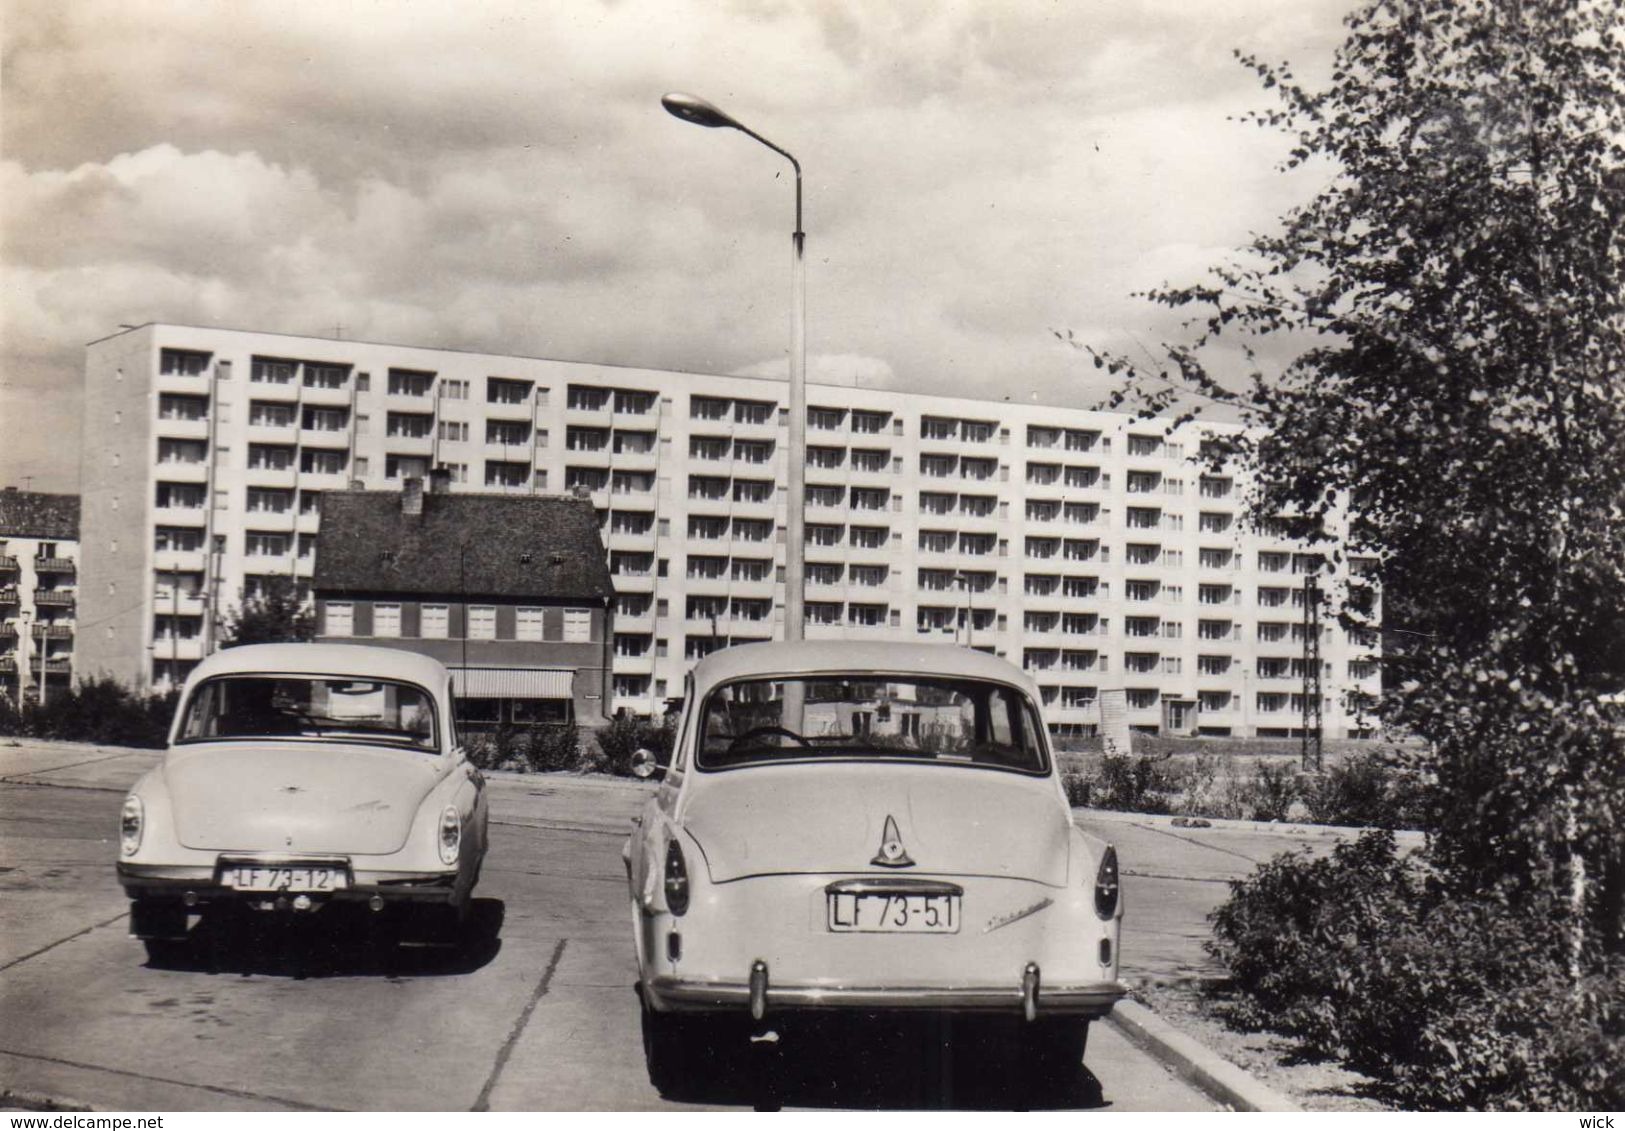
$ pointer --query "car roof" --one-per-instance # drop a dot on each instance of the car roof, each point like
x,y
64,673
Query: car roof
x,y
325,659
848,656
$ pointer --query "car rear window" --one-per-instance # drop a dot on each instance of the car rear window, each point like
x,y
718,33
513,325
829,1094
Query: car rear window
x,y
343,708
945,721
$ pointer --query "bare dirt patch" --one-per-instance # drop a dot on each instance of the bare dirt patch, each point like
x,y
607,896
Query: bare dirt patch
x,y
1194,1009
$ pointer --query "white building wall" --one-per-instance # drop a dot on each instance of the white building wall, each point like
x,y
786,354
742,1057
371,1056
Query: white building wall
x,y
231,530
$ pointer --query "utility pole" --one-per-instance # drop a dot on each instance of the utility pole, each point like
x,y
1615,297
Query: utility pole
x,y
1311,720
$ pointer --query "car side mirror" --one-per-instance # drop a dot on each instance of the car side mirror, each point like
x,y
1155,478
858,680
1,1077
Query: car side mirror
x,y
645,765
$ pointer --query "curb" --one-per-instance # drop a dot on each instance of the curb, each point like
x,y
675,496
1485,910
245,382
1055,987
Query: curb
x,y
1298,829
15,1100
1194,1062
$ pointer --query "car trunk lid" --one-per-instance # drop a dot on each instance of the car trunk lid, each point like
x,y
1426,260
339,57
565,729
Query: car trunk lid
x,y
347,799
838,818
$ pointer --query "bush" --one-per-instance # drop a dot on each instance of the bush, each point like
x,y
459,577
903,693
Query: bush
x,y
626,734
99,710
1274,788
1453,1002
1365,791
551,748
1134,785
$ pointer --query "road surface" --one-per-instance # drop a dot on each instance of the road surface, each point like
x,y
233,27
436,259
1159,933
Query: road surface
x,y
538,1013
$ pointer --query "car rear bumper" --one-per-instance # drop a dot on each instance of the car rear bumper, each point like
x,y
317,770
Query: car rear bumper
x,y
1094,999
200,884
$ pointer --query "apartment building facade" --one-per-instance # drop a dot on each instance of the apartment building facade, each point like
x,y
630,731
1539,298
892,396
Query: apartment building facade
x,y
39,575
1086,546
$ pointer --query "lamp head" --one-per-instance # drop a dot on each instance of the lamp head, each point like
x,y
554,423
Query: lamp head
x,y
691,108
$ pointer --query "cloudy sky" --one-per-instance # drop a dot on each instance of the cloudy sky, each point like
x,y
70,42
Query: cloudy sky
x,y
499,175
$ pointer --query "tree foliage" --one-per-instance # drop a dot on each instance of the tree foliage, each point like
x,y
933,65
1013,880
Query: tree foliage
x,y
276,614
1449,306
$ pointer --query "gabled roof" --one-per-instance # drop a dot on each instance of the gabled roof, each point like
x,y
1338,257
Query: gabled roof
x,y
36,514
512,546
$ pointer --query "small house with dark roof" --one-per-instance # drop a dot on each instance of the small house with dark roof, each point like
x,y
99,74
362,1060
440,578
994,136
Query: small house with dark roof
x,y
39,574
512,593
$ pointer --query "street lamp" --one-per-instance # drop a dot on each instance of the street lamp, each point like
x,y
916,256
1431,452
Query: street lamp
x,y
964,583
701,113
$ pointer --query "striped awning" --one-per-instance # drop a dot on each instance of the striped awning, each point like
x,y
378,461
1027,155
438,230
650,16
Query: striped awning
x,y
513,683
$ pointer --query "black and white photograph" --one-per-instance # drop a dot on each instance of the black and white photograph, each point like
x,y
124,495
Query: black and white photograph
x,y
840,556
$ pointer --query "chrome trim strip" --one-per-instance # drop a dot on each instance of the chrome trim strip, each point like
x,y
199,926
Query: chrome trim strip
x,y
892,885
1088,1000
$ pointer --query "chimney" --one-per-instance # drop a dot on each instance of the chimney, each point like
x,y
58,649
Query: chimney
x,y
412,496
440,481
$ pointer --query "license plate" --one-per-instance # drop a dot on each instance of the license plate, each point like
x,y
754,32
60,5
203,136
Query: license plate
x,y
894,913
284,877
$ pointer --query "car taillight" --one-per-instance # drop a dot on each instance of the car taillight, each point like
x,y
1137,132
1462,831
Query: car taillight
x,y
129,825
676,879
451,835
1107,889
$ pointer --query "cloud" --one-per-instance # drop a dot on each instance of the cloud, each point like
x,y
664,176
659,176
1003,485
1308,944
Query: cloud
x,y
499,175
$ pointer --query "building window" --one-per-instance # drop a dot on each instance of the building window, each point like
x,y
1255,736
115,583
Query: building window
x,y
501,391
707,408
409,383
434,622
183,363
586,398
323,461
454,390
340,618
528,623
325,376
505,473
577,626
386,619
482,622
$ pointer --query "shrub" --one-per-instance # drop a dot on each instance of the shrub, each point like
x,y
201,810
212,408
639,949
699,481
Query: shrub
x,y
1366,791
99,710
1454,1002
1273,789
1135,785
1078,788
626,734
551,748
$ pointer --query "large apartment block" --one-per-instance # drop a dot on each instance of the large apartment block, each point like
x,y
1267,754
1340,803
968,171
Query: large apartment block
x,y
39,564
1086,546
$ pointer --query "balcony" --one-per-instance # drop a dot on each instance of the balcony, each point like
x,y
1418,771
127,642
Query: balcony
x,y
54,665
184,561
56,631
325,397
182,428
8,663
627,460
634,582
634,665
278,477
630,540
633,623
194,384
180,516
326,437
183,471
53,598
177,647
316,480
601,417
588,457
278,522
8,564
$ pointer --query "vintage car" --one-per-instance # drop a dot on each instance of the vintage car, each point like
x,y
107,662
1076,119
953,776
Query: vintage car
x,y
299,775
864,827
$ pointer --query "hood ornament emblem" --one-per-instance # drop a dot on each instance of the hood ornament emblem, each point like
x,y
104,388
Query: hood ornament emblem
x,y
292,789
892,854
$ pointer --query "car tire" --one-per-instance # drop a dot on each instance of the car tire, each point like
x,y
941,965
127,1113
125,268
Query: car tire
x,y
157,920
1051,1050
667,1045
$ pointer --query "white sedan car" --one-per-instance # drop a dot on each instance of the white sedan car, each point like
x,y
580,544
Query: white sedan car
x,y
298,775
861,827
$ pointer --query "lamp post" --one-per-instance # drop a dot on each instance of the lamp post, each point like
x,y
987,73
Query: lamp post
x,y
701,113
964,583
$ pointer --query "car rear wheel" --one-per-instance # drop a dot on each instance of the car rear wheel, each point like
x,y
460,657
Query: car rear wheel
x,y
668,1043
158,920
1051,1049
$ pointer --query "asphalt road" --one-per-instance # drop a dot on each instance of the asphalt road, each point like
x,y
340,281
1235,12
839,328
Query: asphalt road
x,y
538,1013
